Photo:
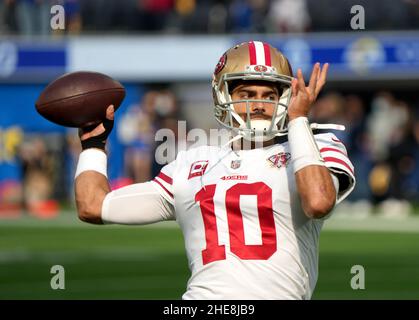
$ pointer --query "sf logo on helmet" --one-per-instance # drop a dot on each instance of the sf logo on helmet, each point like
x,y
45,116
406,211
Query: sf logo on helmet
x,y
221,63
261,68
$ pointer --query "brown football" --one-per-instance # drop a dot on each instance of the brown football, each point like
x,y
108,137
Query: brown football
x,y
79,99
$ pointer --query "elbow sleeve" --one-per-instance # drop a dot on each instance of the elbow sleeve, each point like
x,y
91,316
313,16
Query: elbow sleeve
x,y
139,203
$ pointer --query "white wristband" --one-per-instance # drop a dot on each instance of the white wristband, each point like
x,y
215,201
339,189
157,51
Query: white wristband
x,y
303,147
92,160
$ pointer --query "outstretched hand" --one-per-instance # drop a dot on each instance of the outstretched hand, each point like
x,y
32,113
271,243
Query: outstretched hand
x,y
303,97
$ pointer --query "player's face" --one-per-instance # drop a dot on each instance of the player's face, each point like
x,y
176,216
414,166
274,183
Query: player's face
x,y
256,91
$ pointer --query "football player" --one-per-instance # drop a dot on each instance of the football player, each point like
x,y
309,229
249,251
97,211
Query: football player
x,y
251,216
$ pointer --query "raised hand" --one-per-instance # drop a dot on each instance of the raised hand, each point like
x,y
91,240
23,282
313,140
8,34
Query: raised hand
x,y
303,97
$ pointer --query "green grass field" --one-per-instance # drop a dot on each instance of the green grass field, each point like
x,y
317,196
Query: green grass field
x,y
150,263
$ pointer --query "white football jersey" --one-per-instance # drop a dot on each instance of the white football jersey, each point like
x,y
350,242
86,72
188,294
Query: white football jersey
x,y
245,232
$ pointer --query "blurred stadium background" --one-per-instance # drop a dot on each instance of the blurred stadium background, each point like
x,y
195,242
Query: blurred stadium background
x,y
164,52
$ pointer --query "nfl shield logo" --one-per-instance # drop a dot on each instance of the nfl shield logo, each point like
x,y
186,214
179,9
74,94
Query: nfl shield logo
x,y
235,164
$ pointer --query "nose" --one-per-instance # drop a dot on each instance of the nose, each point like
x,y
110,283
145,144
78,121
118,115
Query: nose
x,y
257,107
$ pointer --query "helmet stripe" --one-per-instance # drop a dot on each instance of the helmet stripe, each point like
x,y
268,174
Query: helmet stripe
x,y
252,53
260,53
267,54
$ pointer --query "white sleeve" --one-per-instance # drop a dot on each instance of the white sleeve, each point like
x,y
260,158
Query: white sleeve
x,y
337,161
139,203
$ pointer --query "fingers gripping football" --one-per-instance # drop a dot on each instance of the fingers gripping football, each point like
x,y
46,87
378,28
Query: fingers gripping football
x,y
95,136
303,97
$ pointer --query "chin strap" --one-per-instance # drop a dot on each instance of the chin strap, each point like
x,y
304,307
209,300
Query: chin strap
x,y
316,126
238,136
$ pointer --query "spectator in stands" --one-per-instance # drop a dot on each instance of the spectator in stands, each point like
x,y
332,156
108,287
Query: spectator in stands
x,y
403,152
412,13
218,18
137,128
386,118
155,14
214,16
72,149
38,177
167,116
33,17
329,109
355,139
248,16
289,16
3,23
136,132
73,17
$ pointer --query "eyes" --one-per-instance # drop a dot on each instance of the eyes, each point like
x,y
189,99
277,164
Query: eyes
x,y
245,94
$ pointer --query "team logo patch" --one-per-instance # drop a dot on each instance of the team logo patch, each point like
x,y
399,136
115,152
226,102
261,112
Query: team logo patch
x,y
198,168
260,68
221,63
280,159
235,164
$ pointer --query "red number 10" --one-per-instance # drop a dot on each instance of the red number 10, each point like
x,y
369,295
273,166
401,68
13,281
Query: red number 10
x,y
214,251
